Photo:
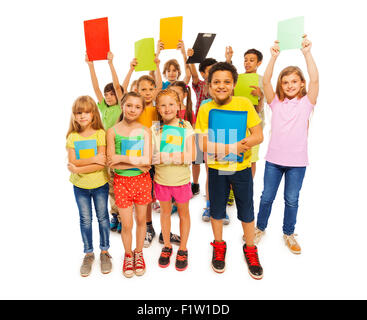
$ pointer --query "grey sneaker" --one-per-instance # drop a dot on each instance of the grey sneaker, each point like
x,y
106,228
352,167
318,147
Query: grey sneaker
x,y
86,267
149,237
106,264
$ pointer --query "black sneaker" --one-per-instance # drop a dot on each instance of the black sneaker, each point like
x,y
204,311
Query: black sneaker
x,y
219,255
114,222
254,268
195,188
164,258
149,236
181,260
174,238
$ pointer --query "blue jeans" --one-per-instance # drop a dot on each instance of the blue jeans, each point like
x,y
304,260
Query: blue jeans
x,y
83,199
292,186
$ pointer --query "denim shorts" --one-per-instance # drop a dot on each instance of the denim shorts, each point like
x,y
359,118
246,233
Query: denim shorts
x,y
219,186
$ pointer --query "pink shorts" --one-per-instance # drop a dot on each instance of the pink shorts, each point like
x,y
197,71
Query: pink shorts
x,y
181,194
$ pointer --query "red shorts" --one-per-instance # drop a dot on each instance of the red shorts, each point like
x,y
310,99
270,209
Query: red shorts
x,y
129,190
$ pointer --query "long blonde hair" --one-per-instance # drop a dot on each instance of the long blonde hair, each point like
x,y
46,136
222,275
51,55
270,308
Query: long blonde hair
x,y
286,72
84,104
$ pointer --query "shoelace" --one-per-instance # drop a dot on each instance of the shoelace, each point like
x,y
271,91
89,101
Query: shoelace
x,y
165,254
175,237
139,260
251,254
87,259
291,239
219,251
182,257
128,263
106,254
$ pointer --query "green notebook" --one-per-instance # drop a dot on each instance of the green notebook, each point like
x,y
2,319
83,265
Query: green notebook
x,y
290,33
243,88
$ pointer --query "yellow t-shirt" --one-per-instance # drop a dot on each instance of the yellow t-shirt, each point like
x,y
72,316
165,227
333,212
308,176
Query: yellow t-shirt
x,y
148,116
236,104
90,180
170,174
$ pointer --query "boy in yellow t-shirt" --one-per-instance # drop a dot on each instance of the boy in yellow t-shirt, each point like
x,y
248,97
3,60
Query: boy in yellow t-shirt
x,y
221,174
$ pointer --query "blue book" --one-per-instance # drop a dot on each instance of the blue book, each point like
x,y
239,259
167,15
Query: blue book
x,y
132,147
227,127
85,149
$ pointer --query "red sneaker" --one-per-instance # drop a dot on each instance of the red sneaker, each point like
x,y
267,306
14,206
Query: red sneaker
x,y
139,263
219,255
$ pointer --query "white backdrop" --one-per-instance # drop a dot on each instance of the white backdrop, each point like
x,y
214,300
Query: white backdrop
x,y
43,70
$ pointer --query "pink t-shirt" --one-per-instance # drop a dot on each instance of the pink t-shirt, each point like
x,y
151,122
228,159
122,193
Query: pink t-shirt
x,y
289,131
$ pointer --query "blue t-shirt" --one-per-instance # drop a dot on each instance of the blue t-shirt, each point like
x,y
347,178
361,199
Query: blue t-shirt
x,y
165,85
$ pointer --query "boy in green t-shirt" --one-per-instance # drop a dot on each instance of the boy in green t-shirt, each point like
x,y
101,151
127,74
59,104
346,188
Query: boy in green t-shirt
x,y
109,107
221,174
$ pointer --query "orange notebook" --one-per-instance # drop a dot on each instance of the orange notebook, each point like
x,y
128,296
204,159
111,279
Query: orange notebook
x,y
171,31
97,39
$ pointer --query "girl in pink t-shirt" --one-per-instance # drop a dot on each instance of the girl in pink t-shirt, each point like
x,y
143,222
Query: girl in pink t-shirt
x,y
291,107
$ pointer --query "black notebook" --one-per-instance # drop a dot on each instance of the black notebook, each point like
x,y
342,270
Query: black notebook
x,y
201,47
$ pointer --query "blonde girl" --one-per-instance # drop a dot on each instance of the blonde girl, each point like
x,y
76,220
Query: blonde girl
x,y
86,146
172,176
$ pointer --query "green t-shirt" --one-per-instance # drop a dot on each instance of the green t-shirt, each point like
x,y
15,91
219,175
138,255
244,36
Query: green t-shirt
x,y
127,172
110,114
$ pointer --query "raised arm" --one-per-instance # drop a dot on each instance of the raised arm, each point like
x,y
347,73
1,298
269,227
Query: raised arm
x,y
193,71
93,76
229,54
115,80
313,87
268,88
181,47
126,82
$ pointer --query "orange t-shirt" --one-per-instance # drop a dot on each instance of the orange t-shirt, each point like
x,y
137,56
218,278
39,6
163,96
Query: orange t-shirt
x,y
148,116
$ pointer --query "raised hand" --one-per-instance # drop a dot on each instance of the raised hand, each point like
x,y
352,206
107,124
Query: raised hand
x,y
229,54
109,56
181,46
306,45
190,52
87,59
275,50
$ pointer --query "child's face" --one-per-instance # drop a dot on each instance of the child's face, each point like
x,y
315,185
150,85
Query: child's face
x,y
221,86
251,64
84,119
110,98
171,73
168,108
132,108
146,90
205,74
291,85
180,93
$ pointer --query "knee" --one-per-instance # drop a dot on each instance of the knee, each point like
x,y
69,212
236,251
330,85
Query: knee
x,y
291,200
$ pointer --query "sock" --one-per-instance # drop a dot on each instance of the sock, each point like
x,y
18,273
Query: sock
x,y
207,203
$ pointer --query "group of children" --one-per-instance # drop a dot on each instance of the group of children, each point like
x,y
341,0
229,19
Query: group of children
x,y
134,181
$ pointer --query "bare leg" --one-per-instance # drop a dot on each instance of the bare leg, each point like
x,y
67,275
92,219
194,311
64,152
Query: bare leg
x,y
126,217
184,213
249,232
217,226
166,208
195,173
141,226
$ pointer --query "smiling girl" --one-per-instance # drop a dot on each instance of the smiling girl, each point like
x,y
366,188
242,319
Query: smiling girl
x,y
132,183
291,106
172,176
89,177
